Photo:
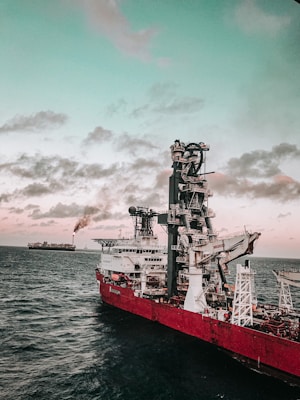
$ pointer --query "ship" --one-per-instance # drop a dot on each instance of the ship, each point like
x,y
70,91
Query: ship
x,y
51,246
184,284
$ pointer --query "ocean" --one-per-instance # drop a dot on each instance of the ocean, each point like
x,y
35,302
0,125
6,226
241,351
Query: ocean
x,y
60,342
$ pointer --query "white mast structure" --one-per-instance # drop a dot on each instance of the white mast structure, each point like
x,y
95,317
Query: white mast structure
x,y
244,298
287,279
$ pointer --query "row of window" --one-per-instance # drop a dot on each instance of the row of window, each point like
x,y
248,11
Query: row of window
x,y
138,251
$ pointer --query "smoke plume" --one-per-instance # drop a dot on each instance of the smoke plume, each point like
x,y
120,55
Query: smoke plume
x,y
82,223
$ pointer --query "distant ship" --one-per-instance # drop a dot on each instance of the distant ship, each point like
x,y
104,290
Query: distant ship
x,y
184,286
51,246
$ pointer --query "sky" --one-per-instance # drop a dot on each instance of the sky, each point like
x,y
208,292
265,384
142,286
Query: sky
x,y
94,92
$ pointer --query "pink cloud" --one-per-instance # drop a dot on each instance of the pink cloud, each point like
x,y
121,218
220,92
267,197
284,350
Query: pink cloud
x,y
106,16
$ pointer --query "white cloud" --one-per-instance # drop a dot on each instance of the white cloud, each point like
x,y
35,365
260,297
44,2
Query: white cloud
x,y
252,19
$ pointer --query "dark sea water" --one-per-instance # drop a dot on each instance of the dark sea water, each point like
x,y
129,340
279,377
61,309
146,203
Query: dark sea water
x,y
58,341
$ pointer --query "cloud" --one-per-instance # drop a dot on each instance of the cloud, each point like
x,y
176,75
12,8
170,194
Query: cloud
x,y
32,190
280,187
14,210
284,215
42,176
162,179
38,189
143,163
133,144
134,194
140,111
95,171
163,99
262,163
185,105
119,106
252,19
31,206
104,215
258,175
107,17
97,136
59,211
5,197
55,169
35,122
112,228
86,213
163,90
51,222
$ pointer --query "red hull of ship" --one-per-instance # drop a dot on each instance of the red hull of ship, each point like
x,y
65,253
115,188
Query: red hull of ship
x,y
270,354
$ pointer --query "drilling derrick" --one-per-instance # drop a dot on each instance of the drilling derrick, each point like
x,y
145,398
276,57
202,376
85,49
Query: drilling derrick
x,y
193,245
188,218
